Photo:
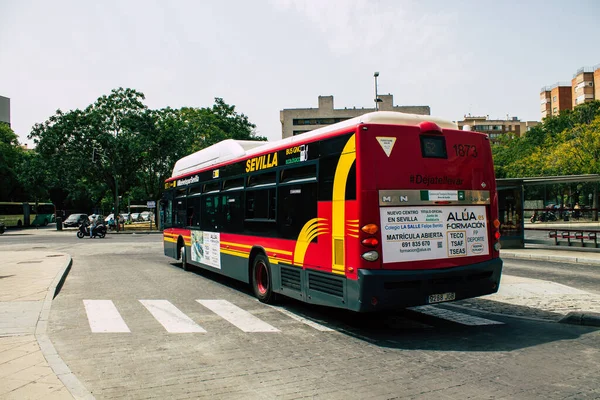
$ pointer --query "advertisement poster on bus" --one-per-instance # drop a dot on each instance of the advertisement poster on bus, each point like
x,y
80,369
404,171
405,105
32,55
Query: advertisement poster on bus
x,y
206,248
433,232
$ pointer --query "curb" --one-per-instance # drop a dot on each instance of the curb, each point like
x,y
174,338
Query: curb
x,y
62,371
577,318
566,259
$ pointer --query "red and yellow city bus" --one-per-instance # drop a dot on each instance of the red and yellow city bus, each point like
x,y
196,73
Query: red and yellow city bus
x,y
386,210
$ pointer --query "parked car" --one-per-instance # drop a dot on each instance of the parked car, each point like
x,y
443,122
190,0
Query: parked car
x,y
74,220
125,217
135,217
146,215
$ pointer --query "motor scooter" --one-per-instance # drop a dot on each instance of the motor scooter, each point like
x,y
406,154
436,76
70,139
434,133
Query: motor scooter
x,y
84,230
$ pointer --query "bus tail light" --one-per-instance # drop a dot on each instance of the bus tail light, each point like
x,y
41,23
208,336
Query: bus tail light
x,y
497,244
371,255
370,242
371,229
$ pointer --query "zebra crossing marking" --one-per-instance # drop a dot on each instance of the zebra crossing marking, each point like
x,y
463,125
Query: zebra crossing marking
x,y
305,321
104,317
169,316
237,316
464,319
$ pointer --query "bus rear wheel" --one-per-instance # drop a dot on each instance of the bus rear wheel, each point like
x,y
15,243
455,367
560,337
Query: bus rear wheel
x,y
262,280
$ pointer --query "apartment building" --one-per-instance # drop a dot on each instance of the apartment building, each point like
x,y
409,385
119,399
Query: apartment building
x,y
5,110
495,128
296,121
583,88
556,98
584,85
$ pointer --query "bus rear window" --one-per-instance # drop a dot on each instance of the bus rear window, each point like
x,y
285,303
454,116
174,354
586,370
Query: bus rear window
x,y
433,147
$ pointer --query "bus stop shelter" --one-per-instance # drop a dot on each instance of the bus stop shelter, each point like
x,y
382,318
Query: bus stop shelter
x,y
559,197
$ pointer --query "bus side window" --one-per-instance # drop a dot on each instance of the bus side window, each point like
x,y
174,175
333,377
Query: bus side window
x,y
297,206
195,204
260,212
210,213
261,204
180,212
326,174
233,212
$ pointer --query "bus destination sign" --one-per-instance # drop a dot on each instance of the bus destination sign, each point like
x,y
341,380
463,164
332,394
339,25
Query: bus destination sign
x,y
433,232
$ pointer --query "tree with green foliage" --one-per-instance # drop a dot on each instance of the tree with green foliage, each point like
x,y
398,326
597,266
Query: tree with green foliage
x,y
119,145
11,157
93,149
560,145
169,135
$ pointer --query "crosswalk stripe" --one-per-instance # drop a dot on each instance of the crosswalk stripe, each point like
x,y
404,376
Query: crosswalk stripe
x,y
171,317
305,321
453,316
236,316
104,317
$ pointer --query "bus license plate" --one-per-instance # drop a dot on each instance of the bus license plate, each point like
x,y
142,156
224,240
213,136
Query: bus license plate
x,y
438,298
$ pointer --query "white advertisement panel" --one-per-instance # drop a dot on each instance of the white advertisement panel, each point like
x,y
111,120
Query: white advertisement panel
x,y
206,248
433,232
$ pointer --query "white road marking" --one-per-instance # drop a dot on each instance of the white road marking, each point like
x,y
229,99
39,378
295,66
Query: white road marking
x,y
103,316
305,321
171,317
236,316
454,316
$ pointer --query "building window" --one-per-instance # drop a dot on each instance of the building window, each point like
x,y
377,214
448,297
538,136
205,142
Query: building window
x,y
318,121
554,99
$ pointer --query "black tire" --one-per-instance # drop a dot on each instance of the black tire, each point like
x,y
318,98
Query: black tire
x,y
80,234
262,280
184,264
101,234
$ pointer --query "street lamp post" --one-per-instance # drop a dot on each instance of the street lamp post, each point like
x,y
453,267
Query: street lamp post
x,y
377,100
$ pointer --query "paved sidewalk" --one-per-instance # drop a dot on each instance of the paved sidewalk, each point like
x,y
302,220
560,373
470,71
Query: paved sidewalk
x,y
30,368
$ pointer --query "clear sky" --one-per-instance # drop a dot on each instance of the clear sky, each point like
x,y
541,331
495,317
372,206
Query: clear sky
x,y
485,57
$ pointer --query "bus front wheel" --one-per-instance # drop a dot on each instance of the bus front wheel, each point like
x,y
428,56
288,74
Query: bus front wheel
x,y
262,280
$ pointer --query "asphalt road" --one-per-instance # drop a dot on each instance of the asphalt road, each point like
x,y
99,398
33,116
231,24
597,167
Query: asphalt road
x,y
177,334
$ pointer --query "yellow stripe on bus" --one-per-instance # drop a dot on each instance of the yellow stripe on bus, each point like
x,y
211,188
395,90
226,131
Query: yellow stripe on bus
x,y
235,253
338,212
272,260
247,246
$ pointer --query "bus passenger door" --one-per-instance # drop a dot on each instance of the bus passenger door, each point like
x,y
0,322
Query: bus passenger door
x,y
166,210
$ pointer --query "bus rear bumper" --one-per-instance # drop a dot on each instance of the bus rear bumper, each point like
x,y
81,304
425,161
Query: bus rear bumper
x,y
377,290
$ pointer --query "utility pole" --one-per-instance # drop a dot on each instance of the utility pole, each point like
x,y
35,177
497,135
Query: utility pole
x,y
377,100
116,214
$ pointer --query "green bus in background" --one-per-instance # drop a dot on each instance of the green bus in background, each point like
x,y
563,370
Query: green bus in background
x,y
26,214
